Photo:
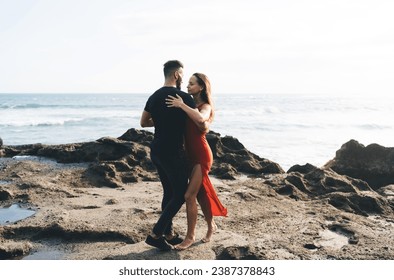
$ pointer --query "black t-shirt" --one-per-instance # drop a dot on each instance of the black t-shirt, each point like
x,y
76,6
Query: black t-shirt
x,y
169,122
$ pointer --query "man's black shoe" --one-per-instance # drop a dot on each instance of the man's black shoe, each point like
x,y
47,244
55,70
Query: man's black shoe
x,y
159,243
175,240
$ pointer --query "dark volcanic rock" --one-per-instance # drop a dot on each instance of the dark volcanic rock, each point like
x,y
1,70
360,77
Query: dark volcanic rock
x,y
126,159
343,192
140,136
103,149
224,171
1,142
5,194
10,151
228,150
239,253
362,204
302,168
293,215
373,164
321,182
387,192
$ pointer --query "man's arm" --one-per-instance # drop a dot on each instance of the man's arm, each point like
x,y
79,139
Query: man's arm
x,y
146,119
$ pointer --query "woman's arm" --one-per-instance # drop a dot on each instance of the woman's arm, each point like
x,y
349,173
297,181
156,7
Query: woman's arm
x,y
146,120
200,118
205,112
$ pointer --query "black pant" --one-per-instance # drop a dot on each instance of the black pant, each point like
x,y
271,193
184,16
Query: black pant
x,y
172,169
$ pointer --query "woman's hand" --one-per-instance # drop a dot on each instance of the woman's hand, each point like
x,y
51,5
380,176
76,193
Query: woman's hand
x,y
173,101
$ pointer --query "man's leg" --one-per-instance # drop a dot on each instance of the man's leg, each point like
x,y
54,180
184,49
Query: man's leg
x,y
156,239
167,191
175,170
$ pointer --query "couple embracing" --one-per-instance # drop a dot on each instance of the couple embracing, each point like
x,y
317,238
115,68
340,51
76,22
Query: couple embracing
x,y
181,155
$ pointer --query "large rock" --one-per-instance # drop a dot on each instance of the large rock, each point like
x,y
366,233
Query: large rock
x,y
126,159
341,191
373,163
306,168
12,249
229,153
142,137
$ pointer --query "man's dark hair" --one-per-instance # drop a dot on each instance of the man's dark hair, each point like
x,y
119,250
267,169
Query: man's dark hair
x,y
171,66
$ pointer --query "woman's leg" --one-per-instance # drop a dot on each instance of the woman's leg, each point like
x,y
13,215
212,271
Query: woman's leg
x,y
191,207
206,209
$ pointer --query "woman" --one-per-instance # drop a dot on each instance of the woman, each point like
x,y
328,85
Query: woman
x,y
200,157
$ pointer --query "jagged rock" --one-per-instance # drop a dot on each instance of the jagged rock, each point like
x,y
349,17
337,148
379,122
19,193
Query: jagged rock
x,y
10,249
230,151
118,161
322,182
104,149
363,204
302,168
387,192
127,159
239,253
143,137
373,164
1,142
319,182
224,171
5,194
113,174
343,192
273,216
30,149
290,191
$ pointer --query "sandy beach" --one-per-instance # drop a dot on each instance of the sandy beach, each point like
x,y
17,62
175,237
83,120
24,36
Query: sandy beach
x,y
103,208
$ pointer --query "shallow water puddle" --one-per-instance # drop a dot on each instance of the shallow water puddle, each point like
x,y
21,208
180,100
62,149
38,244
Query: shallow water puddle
x,y
332,239
14,213
4,182
46,254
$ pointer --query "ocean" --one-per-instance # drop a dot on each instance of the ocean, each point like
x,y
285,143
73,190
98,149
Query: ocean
x,y
288,129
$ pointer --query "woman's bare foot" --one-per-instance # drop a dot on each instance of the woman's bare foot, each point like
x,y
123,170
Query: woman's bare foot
x,y
211,230
185,244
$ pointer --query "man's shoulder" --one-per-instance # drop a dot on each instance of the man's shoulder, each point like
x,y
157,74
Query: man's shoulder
x,y
187,99
173,91
183,94
168,90
164,91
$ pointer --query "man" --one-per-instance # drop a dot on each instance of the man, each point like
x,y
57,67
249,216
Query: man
x,y
167,152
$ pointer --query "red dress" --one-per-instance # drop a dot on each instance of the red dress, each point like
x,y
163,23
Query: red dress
x,y
199,152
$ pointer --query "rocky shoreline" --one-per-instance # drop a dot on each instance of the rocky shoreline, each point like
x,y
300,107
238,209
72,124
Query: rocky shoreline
x,y
99,199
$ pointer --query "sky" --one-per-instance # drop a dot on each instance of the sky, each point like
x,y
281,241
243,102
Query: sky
x,y
244,46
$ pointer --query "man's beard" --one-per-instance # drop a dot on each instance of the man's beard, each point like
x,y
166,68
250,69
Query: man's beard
x,y
179,83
